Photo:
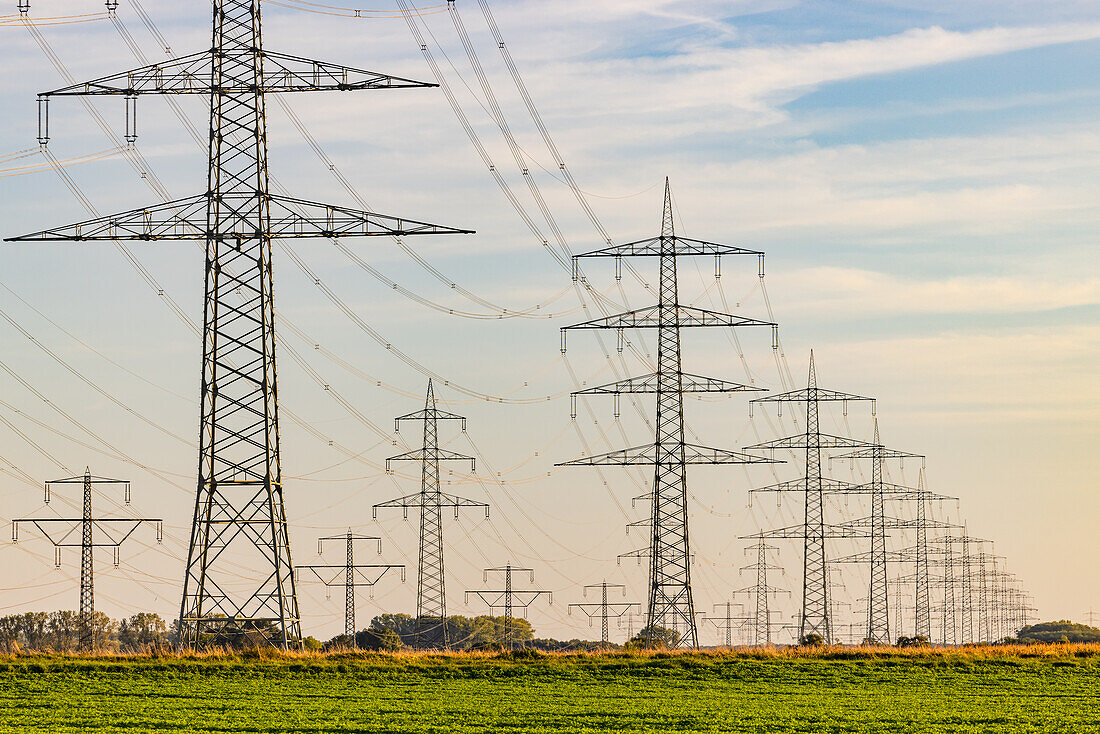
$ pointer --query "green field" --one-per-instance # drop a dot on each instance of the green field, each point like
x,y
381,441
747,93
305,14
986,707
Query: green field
x,y
832,692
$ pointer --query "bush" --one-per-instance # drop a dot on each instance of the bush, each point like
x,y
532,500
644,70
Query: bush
x,y
378,640
917,641
812,640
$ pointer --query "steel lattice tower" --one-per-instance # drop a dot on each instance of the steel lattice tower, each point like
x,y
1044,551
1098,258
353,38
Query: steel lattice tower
x,y
878,605
509,597
762,621
604,609
113,532
815,617
670,603
431,598
361,574
240,520
725,622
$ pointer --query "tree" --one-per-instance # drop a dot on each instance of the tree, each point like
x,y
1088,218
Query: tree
x,y
143,630
654,637
1061,631
812,640
378,640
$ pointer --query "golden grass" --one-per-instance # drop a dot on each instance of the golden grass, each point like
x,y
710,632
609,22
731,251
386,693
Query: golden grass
x,y
964,652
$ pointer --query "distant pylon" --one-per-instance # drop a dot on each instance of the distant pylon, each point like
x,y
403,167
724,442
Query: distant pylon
x,y
760,591
431,596
113,532
604,609
670,602
239,575
878,606
509,598
815,618
725,622
354,574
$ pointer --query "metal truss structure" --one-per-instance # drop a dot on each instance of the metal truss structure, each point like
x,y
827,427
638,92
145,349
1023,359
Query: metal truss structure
x,y
431,597
93,532
604,610
509,597
760,591
878,605
815,618
729,621
670,603
354,574
239,575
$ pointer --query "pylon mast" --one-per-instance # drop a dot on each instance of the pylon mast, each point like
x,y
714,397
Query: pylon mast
x,y
725,623
240,519
878,605
111,532
815,618
353,574
761,592
431,597
509,598
604,609
670,603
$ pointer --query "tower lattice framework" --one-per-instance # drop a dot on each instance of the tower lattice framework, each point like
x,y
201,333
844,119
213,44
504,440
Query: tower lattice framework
x,y
240,519
670,604
431,597
815,618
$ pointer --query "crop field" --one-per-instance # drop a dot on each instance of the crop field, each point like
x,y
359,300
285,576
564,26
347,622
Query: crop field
x,y
1049,689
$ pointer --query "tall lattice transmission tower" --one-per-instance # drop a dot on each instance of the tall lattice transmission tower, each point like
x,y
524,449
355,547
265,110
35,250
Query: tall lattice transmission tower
x,y
815,616
878,604
431,597
87,532
239,574
509,598
670,603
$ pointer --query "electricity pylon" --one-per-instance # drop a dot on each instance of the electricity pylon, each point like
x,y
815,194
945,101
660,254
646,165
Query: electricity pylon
x,y
239,533
965,606
725,623
878,606
815,589
111,531
354,574
670,602
604,609
431,598
509,597
762,621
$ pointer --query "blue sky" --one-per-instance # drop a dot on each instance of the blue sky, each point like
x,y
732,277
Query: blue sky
x,y
921,175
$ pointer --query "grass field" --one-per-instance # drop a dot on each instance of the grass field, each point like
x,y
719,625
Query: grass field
x,y
1050,689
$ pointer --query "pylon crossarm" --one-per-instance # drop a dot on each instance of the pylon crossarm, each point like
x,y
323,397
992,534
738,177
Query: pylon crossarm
x,y
440,499
682,246
799,485
647,456
186,219
126,526
648,384
865,557
651,317
432,414
806,394
365,574
191,74
879,452
437,455
896,523
799,531
800,441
